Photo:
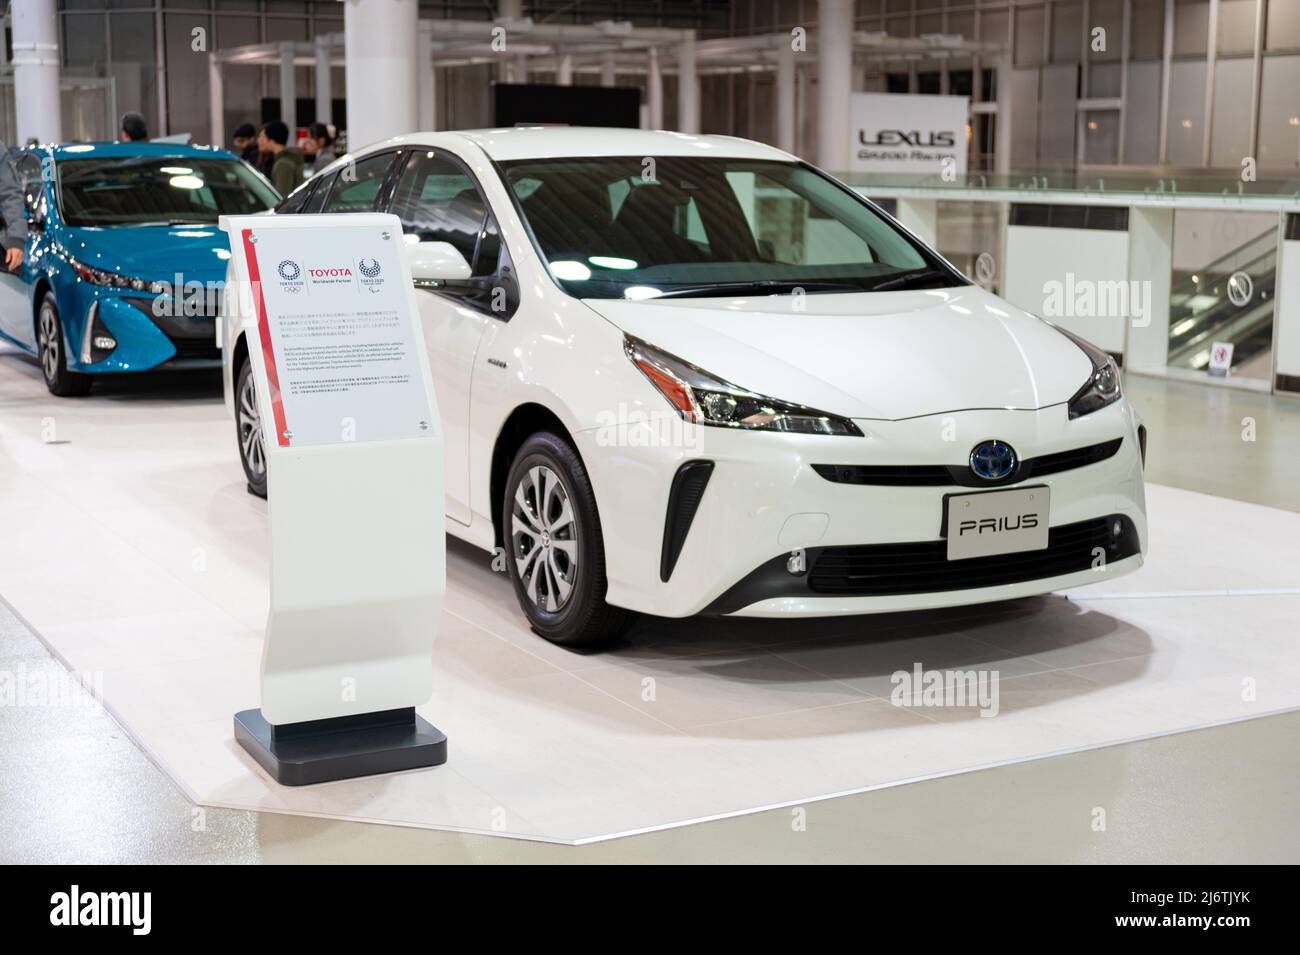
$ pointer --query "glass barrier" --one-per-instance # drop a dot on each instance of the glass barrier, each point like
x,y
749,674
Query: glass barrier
x,y
1228,300
1117,183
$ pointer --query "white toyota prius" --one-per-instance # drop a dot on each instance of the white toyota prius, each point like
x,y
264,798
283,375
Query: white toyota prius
x,y
688,374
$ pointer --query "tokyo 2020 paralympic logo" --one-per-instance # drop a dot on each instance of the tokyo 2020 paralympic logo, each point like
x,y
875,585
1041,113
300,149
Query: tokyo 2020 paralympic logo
x,y
370,269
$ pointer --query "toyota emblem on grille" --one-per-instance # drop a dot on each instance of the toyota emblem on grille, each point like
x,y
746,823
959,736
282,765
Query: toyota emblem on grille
x,y
992,460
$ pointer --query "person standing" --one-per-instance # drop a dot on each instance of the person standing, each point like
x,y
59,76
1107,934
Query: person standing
x,y
134,128
12,208
245,140
322,137
287,164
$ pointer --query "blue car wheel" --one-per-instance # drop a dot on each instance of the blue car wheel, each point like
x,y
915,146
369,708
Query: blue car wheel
x,y
51,348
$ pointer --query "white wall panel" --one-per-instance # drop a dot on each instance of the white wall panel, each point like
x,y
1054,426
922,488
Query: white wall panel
x,y
1038,256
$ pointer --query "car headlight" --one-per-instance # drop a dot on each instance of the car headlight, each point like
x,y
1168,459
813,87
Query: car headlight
x,y
1102,387
702,398
96,276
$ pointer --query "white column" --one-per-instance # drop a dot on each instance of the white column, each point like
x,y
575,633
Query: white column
x,y
216,103
288,91
516,66
564,69
688,86
37,111
921,218
1002,131
160,69
608,75
654,83
834,82
426,77
380,39
785,96
1286,321
1151,262
324,95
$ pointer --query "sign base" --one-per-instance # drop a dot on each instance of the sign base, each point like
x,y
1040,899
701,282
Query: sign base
x,y
320,751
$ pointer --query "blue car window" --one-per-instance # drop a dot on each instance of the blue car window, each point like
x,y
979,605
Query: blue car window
x,y
157,190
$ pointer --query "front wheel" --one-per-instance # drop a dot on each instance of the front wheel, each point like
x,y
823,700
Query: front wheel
x,y
53,354
555,552
248,430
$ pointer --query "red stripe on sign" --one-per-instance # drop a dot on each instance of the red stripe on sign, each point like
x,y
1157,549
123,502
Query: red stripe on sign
x,y
264,333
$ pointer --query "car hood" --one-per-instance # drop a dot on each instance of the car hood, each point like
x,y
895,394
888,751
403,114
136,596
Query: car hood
x,y
877,355
152,252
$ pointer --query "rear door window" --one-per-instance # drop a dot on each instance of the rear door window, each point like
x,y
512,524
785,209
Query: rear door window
x,y
357,188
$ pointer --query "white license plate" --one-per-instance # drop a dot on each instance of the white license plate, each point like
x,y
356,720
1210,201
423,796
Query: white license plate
x,y
997,522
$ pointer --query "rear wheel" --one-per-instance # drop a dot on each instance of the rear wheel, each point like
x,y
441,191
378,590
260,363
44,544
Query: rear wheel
x,y
54,356
556,555
248,430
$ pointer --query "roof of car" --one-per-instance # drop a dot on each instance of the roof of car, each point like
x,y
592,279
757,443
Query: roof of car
x,y
546,142
117,150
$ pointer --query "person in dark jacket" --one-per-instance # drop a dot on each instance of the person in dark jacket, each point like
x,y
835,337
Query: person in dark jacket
x,y
245,142
12,208
287,166
264,159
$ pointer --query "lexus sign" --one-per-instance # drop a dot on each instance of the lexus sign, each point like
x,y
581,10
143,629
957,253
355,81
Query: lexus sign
x,y
903,132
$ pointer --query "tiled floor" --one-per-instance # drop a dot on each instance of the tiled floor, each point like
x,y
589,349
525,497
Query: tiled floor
x,y
546,743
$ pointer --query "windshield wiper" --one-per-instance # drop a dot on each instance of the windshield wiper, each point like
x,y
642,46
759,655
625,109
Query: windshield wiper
x,y
757,287
905,279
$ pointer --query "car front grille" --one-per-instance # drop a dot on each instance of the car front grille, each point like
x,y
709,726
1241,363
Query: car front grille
x,y
878,570
194,336
946,475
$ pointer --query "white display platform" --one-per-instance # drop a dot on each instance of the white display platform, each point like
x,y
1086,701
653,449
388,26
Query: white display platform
x,y
132,548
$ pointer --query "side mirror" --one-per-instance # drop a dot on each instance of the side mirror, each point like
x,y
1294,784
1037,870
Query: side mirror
x,y
436,262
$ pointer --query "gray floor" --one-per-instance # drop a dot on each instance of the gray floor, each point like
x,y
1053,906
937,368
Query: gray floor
x,y
73,787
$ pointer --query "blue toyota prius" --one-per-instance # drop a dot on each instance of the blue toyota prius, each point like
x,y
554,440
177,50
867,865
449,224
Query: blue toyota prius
x,y
124,261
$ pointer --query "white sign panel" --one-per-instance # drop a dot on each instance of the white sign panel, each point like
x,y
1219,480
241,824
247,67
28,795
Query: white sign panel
x,y
354,462
1220,360
902,132
336,334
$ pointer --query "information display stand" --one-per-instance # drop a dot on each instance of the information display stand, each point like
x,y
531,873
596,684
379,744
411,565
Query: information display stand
x,y
355,495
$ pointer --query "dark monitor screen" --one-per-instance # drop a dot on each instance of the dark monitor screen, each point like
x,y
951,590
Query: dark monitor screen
x,y
526,103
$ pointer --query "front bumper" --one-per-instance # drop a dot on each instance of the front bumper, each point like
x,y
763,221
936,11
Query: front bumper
x,y
764,500
145,339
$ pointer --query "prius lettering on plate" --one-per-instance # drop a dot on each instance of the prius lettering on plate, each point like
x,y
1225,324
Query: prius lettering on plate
x,y
997,522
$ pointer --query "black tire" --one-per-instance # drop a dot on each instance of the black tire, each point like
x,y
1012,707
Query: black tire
x,y
52,352
577,616
248,430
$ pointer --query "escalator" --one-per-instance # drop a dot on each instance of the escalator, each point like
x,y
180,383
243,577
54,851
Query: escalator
x,y
1229,300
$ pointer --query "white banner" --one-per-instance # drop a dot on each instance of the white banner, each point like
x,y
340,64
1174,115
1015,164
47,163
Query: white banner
x,y
903,132
354,463
338,336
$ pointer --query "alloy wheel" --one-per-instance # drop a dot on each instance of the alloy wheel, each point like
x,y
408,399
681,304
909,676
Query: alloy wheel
x,y
250,428
544,534
48,345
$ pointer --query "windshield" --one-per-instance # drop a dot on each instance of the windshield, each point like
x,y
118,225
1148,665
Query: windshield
x,y
157,190
639,228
